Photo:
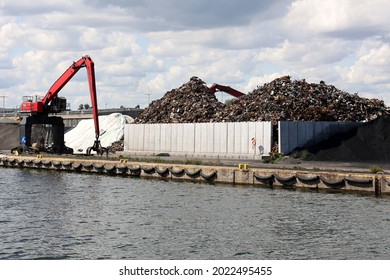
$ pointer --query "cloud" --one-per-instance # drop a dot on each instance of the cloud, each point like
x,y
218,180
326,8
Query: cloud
x,y
338,18
144,48
309,54
25,7
191,14
372,66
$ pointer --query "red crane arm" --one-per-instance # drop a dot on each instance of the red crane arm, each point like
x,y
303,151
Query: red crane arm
x,y
227,89
63,80
92,90
52,93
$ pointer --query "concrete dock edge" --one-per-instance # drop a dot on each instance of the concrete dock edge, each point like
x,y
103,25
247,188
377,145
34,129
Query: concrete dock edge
x,y
339,181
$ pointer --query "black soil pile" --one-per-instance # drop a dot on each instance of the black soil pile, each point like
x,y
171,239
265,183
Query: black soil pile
x,y
286,100
367,143
193,102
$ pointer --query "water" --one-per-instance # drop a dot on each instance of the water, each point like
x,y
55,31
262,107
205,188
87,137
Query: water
x,y
59,215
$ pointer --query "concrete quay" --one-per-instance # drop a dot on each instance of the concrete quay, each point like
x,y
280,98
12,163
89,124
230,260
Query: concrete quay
x,y
244,174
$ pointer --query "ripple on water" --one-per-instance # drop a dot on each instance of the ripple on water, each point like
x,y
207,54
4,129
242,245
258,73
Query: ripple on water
x,y
83,216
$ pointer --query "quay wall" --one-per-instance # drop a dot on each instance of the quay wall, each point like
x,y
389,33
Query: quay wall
x,y
241,175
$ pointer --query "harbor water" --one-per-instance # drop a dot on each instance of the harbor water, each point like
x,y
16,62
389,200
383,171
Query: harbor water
x,y
59,215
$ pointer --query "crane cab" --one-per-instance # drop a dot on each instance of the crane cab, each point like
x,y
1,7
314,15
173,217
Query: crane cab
x,y
31,104
34,105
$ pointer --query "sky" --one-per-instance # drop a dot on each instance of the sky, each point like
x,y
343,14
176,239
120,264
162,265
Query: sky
x,y
144,48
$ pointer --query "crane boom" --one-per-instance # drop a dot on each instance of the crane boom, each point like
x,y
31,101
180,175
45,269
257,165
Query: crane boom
x,y
227,89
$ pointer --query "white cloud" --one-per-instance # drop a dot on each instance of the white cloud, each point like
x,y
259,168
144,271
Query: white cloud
x,y
369,68
348,18
308,54
149,47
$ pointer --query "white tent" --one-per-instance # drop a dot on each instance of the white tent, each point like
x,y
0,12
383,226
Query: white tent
x,y
83,135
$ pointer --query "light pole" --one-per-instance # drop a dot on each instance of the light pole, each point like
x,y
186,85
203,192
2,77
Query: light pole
x,y
148,94
4,97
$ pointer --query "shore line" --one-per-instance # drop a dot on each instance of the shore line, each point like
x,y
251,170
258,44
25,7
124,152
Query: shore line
x,y
340,181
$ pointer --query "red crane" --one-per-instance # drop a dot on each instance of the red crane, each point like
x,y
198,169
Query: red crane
x,y
216,87
51,103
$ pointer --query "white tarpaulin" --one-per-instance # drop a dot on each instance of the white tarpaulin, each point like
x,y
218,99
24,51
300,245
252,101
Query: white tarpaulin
x,y
83,135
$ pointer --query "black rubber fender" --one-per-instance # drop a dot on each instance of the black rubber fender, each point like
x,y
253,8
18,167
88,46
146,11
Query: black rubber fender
x,y
209,177
134,169
177,173
286,181
121,168
264,177
334,184
148,170
162,172
192,174
352,180
110,168
307,178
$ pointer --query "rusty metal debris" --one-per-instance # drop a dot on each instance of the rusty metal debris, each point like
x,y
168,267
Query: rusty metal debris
x,y
287,100
280,100
116,146
192,102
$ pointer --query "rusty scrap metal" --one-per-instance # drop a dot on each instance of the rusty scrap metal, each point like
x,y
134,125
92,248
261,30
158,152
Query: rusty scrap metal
x,y
280,100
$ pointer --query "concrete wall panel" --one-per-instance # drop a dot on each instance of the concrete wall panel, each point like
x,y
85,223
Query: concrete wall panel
x,y
214,139
304,134
220,138
230,138
165,137
189,138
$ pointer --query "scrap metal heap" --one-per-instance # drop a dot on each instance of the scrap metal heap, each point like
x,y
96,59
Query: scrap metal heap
x,y
286,100
192,102
280,100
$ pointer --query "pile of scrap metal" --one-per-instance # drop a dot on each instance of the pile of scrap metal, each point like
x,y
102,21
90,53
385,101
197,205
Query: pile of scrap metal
x,y
280,100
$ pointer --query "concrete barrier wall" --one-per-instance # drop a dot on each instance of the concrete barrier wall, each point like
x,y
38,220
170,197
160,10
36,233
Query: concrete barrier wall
x,y
213,139
304,134
227,139
336,181
9,136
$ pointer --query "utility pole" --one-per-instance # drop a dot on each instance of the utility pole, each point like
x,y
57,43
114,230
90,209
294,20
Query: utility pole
x,y
148,94
4,97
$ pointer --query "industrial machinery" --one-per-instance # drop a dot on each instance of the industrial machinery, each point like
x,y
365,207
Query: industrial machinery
x,y
216,87
51,103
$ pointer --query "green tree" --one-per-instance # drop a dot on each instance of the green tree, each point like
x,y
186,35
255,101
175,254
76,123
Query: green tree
x,y
229,102
86,106
81,107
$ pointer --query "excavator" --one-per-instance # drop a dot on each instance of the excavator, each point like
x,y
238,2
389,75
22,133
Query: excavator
x,y
233,92
51,103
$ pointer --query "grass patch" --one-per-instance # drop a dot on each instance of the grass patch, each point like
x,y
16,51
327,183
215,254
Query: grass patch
x,y
273,158
375,169
303,155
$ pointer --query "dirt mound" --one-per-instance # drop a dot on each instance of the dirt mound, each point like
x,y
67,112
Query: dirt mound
x,y
192,102
286,100
367,143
